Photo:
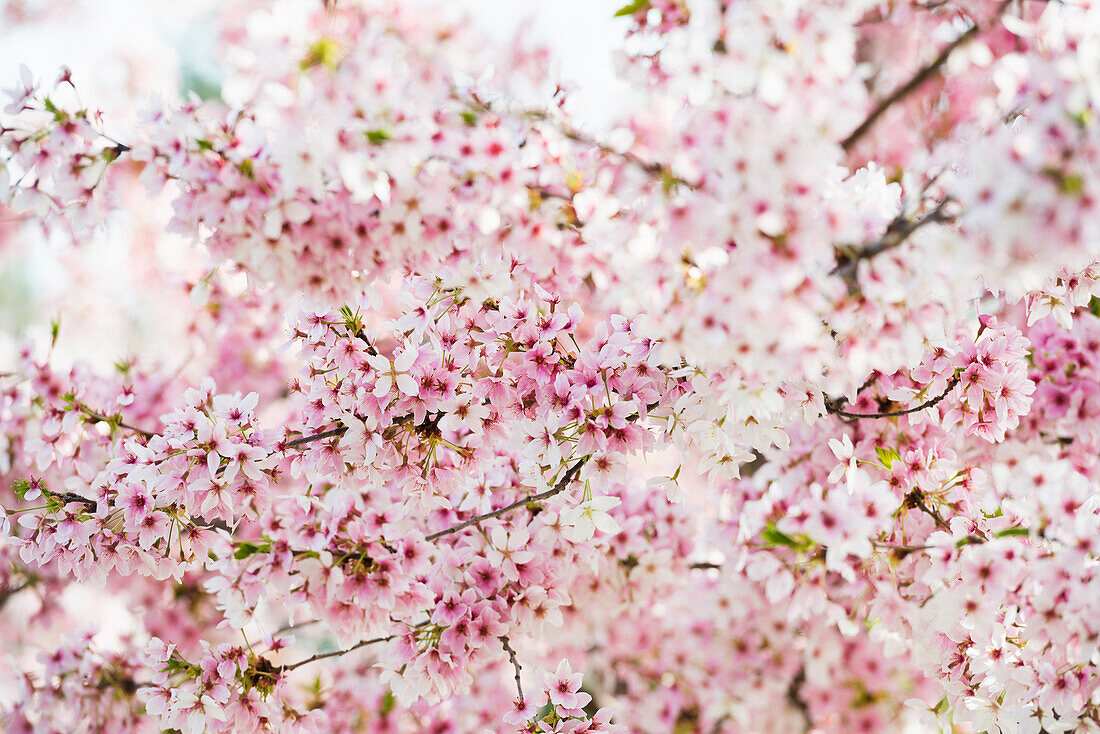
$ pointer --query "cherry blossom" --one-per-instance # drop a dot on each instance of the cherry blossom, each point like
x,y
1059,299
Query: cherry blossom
x,y
416,401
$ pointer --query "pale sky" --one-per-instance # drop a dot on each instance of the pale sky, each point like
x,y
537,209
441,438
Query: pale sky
x,y
582,34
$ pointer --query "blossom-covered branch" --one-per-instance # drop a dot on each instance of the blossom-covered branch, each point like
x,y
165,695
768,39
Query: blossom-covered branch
x,y
429,370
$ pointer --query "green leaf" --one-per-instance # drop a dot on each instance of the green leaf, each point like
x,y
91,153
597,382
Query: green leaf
x,y
469,117
244,550
632,8
324,52
352,321
377,137
1068,183
1010,532
59,115
1072,183
247,548
775,537
175,665
668,181
887,456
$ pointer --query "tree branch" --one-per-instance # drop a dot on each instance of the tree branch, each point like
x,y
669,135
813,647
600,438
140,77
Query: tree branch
x,y
794,697
515,664
564,482
68,497
333,654
833,406
339,431
6,594
916,499
915,82
574,134
97,416
297,626
316,437
897,233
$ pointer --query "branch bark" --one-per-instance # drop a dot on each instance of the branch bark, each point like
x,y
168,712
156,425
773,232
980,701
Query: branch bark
x,y
334,653
515,664
896,234
833,406
564,482
916,81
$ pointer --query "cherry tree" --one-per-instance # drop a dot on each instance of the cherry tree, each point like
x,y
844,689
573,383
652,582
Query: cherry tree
x,y
772,405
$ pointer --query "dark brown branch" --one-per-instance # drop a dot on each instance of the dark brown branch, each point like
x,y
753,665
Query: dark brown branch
x,y
833,406
341,430
564,482
334,653
577,136
92,505
794,697
896,234
68,497
316,437
719,723
916,499
515,664
914,83
337,653
900,551
751,467
6,594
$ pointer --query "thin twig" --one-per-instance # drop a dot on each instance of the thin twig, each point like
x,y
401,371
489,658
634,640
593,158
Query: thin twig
x,y
316,437
334,653
341,430
296,626
915,82
916,499
515,664
97,416
719,723
899,230
899,550
68,497
6,594
574,134
564,482
833,406
794,697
